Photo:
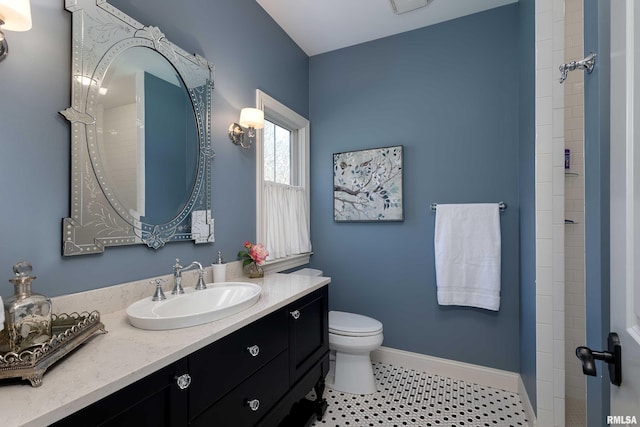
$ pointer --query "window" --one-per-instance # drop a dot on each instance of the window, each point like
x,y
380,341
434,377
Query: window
x,y
282,185
277,154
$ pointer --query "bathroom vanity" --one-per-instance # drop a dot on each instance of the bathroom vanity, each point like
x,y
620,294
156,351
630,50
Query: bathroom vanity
x,y
250,369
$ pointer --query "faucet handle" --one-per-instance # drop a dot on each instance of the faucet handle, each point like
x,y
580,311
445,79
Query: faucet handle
x,y
158,295
177,265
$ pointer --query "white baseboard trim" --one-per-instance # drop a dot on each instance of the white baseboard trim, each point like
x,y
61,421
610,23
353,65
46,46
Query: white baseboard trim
x,y
490,377
526,403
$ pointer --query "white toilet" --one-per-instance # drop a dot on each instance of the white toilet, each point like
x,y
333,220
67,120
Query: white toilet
x,y
352,337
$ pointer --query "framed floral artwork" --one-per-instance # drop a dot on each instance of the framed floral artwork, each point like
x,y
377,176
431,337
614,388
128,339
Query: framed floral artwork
x,y
367,185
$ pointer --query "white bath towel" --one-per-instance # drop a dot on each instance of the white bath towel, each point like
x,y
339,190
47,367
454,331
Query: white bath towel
x,y
1,314
467,255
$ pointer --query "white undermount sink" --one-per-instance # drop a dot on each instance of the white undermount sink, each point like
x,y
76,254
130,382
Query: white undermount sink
x,y
194,307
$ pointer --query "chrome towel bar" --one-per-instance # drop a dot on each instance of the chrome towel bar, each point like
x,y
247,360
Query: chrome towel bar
x,y
501,205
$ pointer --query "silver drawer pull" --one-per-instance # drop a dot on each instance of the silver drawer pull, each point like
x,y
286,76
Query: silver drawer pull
x,y
183,381
253,350
295,314
253,404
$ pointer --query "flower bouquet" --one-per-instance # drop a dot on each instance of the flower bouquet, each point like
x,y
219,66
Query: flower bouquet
x,y
253,256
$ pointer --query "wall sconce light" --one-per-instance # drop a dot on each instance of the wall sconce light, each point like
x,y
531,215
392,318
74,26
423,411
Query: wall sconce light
x,y
250,118
15,15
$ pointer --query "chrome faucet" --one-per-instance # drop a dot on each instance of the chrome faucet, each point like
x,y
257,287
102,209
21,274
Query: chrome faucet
x,y
177,276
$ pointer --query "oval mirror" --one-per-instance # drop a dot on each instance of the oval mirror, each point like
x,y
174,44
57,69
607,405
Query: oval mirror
x,y
140,135
147,136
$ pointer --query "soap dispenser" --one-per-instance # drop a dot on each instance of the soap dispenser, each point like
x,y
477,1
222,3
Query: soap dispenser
x,y
27,314
219,269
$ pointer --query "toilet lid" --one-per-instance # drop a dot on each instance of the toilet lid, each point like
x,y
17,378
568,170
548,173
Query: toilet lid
x,y
342,323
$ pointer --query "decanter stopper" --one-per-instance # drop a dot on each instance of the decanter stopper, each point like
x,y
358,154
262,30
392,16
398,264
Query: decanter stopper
x,y
22,268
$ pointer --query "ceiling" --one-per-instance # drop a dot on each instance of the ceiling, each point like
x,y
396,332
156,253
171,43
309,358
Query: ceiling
x,y
319,26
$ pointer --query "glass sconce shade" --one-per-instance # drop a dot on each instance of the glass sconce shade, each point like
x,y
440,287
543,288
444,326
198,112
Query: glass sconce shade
x,y
16,15
251,118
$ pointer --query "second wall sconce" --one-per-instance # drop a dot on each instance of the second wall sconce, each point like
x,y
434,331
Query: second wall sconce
x,y
15,15
250,118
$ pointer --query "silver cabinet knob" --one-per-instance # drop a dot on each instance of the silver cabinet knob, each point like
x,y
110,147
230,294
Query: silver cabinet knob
x,y
253,404
183,381
254,350
295,314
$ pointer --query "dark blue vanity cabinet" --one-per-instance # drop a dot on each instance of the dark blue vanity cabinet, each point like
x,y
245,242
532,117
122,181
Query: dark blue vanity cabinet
x,y
256,376
155,400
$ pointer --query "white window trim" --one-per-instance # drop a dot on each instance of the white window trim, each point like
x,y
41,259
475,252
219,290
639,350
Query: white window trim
x,y
285,116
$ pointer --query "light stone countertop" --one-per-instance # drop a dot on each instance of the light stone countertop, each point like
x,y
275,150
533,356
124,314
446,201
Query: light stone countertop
x,y
108,362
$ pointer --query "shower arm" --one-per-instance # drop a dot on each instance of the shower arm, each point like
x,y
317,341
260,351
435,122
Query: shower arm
x,y
585,64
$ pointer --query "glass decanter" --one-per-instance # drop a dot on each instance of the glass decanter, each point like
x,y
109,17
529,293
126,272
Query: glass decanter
x,y
27,314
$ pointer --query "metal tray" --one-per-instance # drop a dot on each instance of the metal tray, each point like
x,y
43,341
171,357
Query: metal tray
x,y
68,330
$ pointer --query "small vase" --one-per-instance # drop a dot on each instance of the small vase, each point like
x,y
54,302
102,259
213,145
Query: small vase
x,y
254,271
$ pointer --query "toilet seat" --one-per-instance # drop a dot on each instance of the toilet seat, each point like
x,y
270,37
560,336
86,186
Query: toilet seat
x,y
353,325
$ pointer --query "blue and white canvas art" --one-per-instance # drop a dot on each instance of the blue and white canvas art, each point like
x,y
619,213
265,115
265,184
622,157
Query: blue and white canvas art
x,y
367,185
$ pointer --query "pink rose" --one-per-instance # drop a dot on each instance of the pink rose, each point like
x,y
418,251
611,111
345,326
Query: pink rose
x,y
258,253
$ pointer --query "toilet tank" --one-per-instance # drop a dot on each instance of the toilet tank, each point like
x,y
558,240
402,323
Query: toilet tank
x,y
308,272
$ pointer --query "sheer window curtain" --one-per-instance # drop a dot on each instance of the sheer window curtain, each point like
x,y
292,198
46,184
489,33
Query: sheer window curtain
x,y
287,228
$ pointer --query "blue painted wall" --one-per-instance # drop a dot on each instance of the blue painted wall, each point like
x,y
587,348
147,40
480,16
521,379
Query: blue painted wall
x,y
249,51
526,175
449,95
444,93
596,154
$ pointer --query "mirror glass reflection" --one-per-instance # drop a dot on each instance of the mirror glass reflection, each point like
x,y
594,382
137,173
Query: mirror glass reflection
x,y
147,135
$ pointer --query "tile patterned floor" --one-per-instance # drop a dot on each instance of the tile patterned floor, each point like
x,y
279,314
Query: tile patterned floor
x,y
410,398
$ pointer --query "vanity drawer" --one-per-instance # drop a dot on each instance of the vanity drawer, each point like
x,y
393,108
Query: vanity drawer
x,y
219,367
263,390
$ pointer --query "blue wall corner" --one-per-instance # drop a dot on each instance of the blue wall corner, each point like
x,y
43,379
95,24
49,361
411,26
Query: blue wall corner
x,y
526,28
444,93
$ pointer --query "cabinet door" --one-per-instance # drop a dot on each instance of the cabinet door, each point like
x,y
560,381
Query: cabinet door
x,y
245,405
156,400
222,365
308,332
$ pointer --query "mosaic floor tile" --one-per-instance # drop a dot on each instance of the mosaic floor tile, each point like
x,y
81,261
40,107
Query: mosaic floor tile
x,y
411,398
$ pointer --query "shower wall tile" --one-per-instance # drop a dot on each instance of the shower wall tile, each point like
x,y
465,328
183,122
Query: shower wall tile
x,y
558,209
575,322
558,295
544,55
544,25
558,327
544,224
544,279
544,310
558,11
544,256
544,169
558,124
559,411
558,353
545,395
549,199
544,365
544,139
542,77
559,384
543,6
544,110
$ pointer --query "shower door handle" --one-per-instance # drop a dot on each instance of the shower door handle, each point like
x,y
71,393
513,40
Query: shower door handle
x,y
613,357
